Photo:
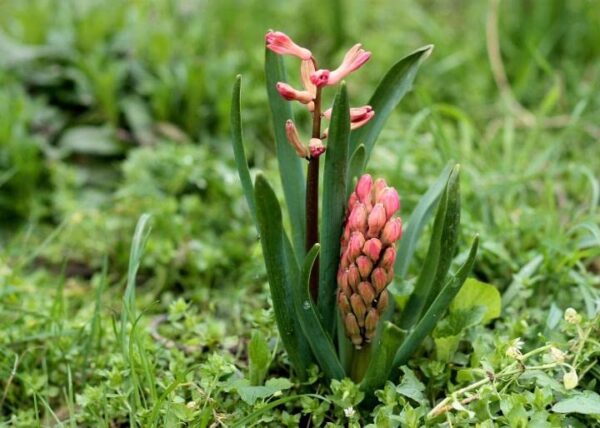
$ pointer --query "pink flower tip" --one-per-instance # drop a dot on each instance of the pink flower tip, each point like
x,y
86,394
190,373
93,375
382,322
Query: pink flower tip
x,y
320,78
282,44
291,94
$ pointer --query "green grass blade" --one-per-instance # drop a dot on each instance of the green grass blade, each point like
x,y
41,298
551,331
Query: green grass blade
x,y
382,358
439,255
281,270
355,167
334,198
237,142
290,165
392,88
436,310
319,340
417,221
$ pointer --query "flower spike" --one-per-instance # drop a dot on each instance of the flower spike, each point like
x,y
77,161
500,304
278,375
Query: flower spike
x,y
282,44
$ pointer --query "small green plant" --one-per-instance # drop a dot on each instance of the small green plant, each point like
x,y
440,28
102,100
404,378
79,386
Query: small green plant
x,y
329,277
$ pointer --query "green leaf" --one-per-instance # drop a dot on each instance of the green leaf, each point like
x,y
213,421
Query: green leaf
x,y
290,166
417,221
476,293
439,255
320,342
281,272
259,357
90,140
436,310
238,147
586,403
250,394
392,88
381,359
357,160
334,199
411,387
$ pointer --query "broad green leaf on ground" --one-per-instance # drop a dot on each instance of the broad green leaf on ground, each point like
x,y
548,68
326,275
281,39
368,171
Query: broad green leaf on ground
x,y
250,394
476,293
411,387
586,403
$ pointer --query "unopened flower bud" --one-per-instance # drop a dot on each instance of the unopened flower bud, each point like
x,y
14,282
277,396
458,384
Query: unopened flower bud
x,y
353,276
294,139
344,303
306,69
357,240
358,307
391,201
383,301
365,266
358,218
379,187
363,189
371,321
570,379
366,292
316,147
376,220
379,279
282,44
389,257
392,231
372,248
571,316
362,121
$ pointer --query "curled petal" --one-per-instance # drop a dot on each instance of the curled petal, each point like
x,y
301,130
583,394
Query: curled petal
x,y
282,44
291,94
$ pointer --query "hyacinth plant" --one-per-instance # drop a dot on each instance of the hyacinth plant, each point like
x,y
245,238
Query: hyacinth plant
x,y
329,277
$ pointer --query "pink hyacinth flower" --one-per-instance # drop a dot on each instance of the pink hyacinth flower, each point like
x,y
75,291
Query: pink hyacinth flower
x,y
353,60
356,113
291,94
282,44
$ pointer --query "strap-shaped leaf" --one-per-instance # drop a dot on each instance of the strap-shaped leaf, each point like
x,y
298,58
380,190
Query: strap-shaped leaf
x,y
290,165
281,271
357,160
237,142
417,221
334,198
319,340
436,310
382,358
392,88
439,255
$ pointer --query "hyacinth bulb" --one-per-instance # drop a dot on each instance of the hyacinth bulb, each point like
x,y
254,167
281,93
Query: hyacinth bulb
x,y
367,257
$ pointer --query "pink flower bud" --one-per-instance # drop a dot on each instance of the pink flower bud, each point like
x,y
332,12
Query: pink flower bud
x,y
382,301
352,325
376,220
352,199
353,276
392,231
390,200
282,44
371,320
344,303
389,258
378,187
291,94
359,309
357,240
356,113
363,189
316,147
358,218
372,248
365,266
360,122
366,292
292,135
342,276
379,279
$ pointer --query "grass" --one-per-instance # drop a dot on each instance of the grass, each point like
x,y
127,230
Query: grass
x,y
110,110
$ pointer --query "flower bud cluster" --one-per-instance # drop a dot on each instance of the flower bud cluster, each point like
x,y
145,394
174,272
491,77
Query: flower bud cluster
x,y
367,257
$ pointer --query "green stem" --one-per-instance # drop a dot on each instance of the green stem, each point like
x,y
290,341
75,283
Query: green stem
x,y
312,200
360,363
